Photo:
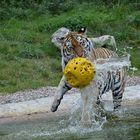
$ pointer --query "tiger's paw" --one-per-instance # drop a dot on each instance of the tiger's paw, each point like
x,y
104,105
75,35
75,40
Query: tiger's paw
x,y
55,105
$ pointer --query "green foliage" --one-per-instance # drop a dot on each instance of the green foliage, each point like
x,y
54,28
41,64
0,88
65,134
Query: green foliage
x,y
74,23
31,52
26,9
28,59
59,6
135,59
51,50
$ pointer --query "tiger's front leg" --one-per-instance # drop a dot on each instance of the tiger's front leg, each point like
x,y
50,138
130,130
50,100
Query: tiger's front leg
x,y
63,87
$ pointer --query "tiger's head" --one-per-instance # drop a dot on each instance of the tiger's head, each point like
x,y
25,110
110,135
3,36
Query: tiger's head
x,y
62,33
75,44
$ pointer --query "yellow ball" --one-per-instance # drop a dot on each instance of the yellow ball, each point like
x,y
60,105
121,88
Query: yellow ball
x,y
79,72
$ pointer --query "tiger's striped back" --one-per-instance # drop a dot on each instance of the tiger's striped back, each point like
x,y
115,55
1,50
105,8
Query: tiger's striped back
x,y
103,53
78,45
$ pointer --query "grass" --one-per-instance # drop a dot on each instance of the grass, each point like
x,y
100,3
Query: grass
x,y
22,74
28,59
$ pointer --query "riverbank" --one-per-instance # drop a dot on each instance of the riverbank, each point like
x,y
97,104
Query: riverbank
x,y
40,108
31,105
44,92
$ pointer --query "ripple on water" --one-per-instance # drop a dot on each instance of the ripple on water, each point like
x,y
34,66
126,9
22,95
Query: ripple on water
x,y
126,126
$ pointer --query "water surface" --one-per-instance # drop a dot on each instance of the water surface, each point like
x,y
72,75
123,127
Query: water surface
x,y
125,127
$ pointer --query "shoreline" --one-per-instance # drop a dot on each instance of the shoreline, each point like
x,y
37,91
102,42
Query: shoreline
x,y
33,94
40,108
32,117
51,115
31,104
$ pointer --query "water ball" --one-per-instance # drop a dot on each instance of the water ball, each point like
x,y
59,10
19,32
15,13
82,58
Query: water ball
x,y
79,72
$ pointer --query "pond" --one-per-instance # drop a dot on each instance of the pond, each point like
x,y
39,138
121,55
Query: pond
x,y
67,127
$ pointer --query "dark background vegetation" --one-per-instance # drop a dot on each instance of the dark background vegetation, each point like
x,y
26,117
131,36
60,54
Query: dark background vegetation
x,y
28,59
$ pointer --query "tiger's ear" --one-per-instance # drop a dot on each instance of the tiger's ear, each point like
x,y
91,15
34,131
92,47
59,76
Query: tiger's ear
x,y
83,30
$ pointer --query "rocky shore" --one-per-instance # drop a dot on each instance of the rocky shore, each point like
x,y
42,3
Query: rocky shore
x,y
43,92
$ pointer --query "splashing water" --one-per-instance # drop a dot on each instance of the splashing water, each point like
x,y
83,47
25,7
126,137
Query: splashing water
x,y
134,69
91,112
64,128
75,119
70,126
113,63
73,124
